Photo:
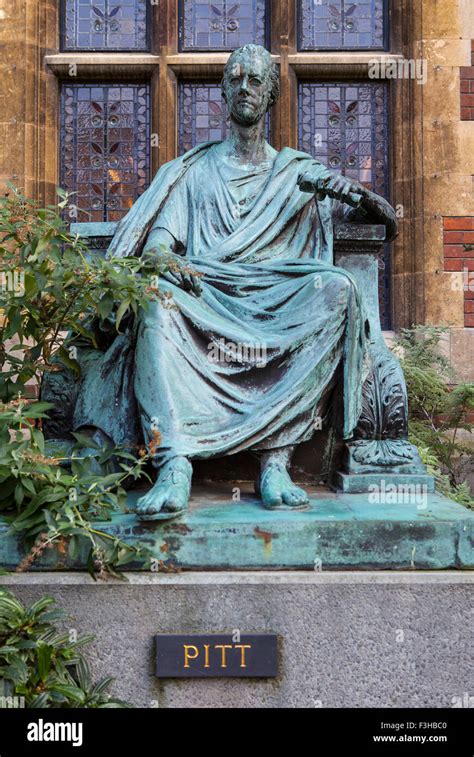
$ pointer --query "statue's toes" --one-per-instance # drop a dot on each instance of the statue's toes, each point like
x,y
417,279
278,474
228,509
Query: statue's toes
x,y
271,496
150,504
295,497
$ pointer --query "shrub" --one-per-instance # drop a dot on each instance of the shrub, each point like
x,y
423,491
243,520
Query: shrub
x,y
41,663
53,291
439,410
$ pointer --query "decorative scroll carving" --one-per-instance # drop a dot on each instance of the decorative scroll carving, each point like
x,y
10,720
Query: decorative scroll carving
x,y
384,405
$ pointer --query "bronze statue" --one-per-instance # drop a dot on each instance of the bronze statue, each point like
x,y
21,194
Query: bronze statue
x,y
263,323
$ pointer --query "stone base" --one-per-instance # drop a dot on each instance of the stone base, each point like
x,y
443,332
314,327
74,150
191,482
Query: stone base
x,y
345,639
339,531
359,483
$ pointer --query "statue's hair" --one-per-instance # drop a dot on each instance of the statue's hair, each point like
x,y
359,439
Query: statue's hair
x,y
272,68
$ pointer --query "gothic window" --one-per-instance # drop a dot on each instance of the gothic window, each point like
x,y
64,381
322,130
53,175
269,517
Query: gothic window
x,y
345,126
222,24
105,138
105,25
342,24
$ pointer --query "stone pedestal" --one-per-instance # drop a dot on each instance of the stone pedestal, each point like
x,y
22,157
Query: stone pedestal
x,y
422,531
345,639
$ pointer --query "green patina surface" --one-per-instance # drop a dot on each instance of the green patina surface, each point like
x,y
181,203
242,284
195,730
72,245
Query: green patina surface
x,y
340,531
359,483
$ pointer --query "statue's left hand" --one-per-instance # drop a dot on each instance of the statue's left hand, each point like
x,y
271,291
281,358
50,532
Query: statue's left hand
x,y
332,185
184,278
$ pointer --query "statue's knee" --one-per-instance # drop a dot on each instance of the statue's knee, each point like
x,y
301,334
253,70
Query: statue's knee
x,y
345,288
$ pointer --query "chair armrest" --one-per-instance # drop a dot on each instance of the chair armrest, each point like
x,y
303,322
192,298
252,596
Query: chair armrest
x,y
97,234
357,248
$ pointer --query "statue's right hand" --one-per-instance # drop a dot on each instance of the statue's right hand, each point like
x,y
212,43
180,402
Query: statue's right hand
x,y
331,184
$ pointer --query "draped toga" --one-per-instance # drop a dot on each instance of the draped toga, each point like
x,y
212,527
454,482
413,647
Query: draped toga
x,y
250,363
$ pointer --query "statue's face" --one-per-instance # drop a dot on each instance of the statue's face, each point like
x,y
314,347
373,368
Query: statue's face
x,y
247,89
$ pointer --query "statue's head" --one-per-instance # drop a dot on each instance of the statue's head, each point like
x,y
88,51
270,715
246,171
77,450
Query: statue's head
x,y
251,84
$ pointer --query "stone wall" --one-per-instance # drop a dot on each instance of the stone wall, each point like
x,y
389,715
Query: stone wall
x,y
467,89
434,166
345,639
459,256
28,97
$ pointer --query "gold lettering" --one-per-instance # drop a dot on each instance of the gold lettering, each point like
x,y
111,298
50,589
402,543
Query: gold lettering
x,y
223,647
242,648
206,656
187,655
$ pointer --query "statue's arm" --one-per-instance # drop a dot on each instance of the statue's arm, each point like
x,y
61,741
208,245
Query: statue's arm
x,y
365,206
162,248
159,242
374,209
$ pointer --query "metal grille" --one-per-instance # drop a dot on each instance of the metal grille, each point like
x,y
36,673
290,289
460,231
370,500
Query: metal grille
x,y
345,126
105,147
222,24
105,25
343,24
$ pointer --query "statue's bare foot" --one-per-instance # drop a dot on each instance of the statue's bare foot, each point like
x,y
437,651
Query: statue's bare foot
x,y
169,496
277,490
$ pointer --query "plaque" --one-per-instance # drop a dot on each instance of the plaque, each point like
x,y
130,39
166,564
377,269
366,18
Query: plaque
x,y
216,656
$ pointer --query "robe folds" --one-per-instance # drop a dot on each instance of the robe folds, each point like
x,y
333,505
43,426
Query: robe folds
x,y
251,362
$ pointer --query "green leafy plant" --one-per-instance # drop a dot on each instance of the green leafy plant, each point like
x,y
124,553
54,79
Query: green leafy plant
x,y
41,663
54,505
53,292
440,409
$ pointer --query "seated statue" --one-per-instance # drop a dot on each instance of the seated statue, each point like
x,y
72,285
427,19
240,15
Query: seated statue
x,y
261,324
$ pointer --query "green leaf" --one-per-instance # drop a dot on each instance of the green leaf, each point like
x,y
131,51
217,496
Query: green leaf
x,y
90,564
73,547
86,441
48,496
122,309
41,701
69,691
17,670
44,653
103,685
40,605
28,485
19,494
38,439
105,305
38,409
68,361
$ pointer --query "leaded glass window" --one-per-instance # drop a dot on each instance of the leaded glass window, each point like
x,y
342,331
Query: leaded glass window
x,y
105,147
345,126
203,115
222,24
105,25
342,24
